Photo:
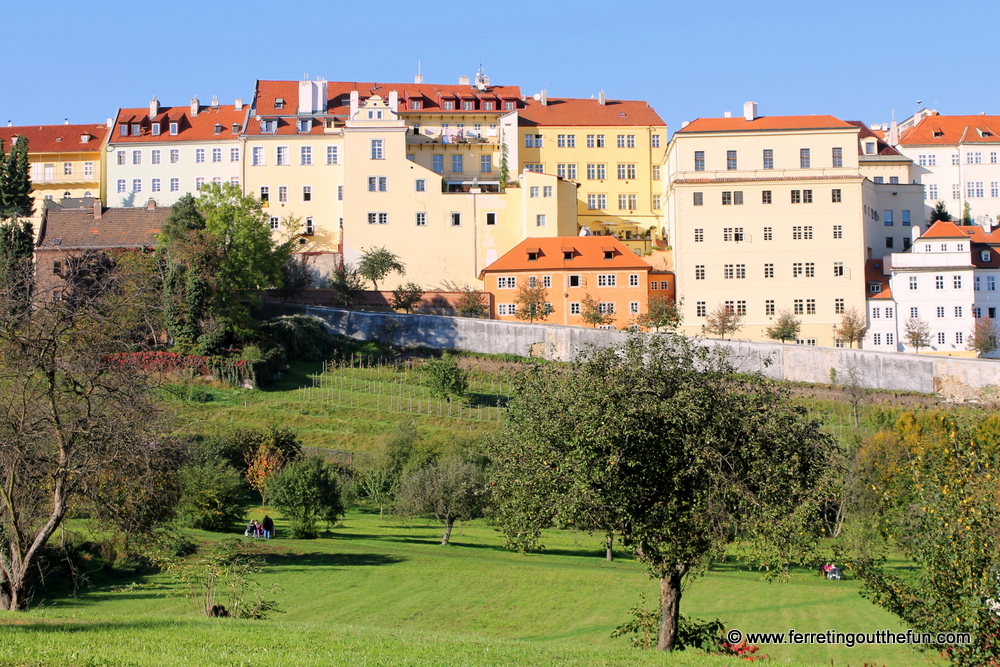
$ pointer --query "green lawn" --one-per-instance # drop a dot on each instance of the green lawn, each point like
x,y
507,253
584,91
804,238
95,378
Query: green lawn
x,y
382,591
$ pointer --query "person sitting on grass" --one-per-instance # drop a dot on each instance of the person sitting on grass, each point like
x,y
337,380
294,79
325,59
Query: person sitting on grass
x,y
250,528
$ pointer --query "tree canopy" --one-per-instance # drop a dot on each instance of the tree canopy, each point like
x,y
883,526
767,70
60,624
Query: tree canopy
x,y
659,442
786,327
15,181
377,263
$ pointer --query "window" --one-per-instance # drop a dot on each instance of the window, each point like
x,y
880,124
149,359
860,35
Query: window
x,y
727,198
956,282
121,157
887,218
173,128
606,280
656,202
810,306
876,313
88,169
838,269
456,163
655,141
573,281
765,197
485,164
699,160
932,191
282,156
597,202
958,311
838,306
378,218
505,308
869,148
574,308
275,222
633,280
137,184
977,312
699,198
877,339
265,195
378,149
216,155
437,164
700,309
768,158
798,306
421,219
567,171
257,156
730,160
540,220
699,235
621,141
991,283
804,160
699,272
606,307
199,183
914,312
835,195
769,270
175,184
769,307
534,191
797,270
959,337
728,272
456,219
154,156
768,234
121,185
340,193
155,186
136,129
807,196
838,157
307,193
625,171
491,218
633,307
940,311
985,255
888,313
199,155
956,191
940,338
796,196
506,282
838,231
597,171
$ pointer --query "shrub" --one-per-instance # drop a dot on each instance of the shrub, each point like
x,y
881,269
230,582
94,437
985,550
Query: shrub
x,y
304,338
445,378
213,496
307,492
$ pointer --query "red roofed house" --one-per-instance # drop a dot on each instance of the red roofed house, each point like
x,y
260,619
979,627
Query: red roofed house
x,y
957,161
572,269
773,214
165,152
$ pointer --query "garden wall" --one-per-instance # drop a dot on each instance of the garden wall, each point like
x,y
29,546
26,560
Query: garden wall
x,y
951,377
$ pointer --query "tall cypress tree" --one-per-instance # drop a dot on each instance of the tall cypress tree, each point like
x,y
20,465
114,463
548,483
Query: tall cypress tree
x,y
3,182
17,201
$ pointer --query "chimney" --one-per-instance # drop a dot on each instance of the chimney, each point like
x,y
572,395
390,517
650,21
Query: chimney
x,y
685,123
544,98
151,204
601,99
65,121
354,103
727,114
893,133
463,81
107,123
239,104
393,101
154,107
98,209
215,101
750,110
418,79
194,106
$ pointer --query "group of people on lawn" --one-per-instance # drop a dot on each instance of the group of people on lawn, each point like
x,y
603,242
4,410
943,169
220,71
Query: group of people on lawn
x,y
263,528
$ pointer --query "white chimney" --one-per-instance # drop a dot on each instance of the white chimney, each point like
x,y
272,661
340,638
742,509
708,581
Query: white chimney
x,y
463,81
151,204
418,79
195,106
393,101
154,107
750,110
601,99
239,104
544,98
312,96
215,101
107,123
685,123
354,103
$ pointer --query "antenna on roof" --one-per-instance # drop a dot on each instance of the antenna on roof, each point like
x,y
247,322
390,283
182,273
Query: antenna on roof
x,y
65,121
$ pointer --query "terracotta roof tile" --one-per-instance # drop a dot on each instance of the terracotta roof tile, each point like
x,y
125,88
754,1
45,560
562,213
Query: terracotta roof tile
x,y
287,125
867,133
942,229
588,254
190,128
950,130
875,274
76,229
575,112
56,138
764,124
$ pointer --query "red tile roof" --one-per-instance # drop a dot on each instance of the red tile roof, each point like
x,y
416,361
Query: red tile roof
x,y
944,230
875,274
867,133
764,123
76,229
190,128
980,235
56,138
588,254
338,95
952,130
287,125
575,112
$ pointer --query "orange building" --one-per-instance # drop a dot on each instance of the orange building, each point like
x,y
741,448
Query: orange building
x,y
571,269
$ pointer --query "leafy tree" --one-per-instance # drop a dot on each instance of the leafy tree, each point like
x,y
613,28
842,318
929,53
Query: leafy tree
x,y
296,276
449,490
661,314
985,337
79,428
680,454
17,241
472,303
786,327
917,333
306,492
967,214
15,193
723,321
532,301
346,286
445,378
940,212
591,313
407,296
378,478
852,327
213,496
377,263
927,488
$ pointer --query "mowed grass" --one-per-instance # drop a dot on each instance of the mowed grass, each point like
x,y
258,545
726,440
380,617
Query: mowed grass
x,y
381,591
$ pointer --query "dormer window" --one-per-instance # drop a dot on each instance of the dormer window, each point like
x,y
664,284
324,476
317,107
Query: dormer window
x,y
236,128
155,129
532,256
449,105
487,106
875,288
279,103
938,133
567,255
123,129
136,129
985,255
268,126
609,254
416,105
984,133
218,128
869,148
467,106
304,124
173,128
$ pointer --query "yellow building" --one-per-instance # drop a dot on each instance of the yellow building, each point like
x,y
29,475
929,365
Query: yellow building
x,y
612,148
775,214
65,162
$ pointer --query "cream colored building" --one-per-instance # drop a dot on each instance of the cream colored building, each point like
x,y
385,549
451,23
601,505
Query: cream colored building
x,y
773,214
613,148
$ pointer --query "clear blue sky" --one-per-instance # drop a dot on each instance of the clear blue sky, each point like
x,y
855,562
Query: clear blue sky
x,y
855,60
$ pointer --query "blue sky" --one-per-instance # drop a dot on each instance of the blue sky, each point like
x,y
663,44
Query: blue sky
x,y
855,60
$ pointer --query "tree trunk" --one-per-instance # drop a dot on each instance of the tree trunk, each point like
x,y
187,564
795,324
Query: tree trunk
x,y
609,552
670,606
447,532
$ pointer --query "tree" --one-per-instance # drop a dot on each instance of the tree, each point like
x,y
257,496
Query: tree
x,y
967,214
80,428
346,286
449,490
213,496
661,314
15,193
472,303
306,492
296,276
852,327
17,246
940,212
445,378
985,337
591,312
723,321
532,301
786,327
679,454
917,333
407,296
377,263
927,488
